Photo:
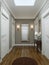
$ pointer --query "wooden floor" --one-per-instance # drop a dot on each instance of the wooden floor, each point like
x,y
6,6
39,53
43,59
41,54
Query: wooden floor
x,y
24,52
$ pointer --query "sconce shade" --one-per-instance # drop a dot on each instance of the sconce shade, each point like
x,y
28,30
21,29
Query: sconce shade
x,y
31,26
18,27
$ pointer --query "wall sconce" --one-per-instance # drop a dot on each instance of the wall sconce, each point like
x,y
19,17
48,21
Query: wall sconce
x,y
31,26
18,27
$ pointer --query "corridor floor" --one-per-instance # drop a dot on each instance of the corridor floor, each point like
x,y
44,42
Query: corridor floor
x,y
24,52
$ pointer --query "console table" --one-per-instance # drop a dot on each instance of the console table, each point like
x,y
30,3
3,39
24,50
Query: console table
x,y
39,45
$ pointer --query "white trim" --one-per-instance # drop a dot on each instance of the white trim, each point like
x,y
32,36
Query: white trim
x,y
45,13
41,8
27,17
8,8
10,50
7,53
24,44
3,6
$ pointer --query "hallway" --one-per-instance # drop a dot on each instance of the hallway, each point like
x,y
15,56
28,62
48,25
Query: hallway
x,y
24,52
24,25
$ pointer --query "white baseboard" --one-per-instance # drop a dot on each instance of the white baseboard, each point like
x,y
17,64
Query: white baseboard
x,y
24,45
6,54
10,50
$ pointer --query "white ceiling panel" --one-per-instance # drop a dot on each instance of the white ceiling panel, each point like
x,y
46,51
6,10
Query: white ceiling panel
x,y
25,12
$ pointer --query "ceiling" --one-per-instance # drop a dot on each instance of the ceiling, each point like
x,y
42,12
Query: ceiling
x,y
25,12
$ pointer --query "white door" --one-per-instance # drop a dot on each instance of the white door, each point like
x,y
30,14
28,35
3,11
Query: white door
x,y
24,31
45,35
4,35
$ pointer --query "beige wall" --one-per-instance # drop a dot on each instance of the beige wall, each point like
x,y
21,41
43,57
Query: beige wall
x,y
31,32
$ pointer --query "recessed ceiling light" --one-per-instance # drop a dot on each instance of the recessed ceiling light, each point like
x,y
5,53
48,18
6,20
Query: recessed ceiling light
x,y
24,2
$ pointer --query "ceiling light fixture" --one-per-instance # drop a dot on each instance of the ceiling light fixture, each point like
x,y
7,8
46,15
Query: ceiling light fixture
x,y
24,2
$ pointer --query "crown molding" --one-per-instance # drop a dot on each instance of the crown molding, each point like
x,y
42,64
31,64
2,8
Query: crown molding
x,y
8,8
46,13
24,17
40,9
